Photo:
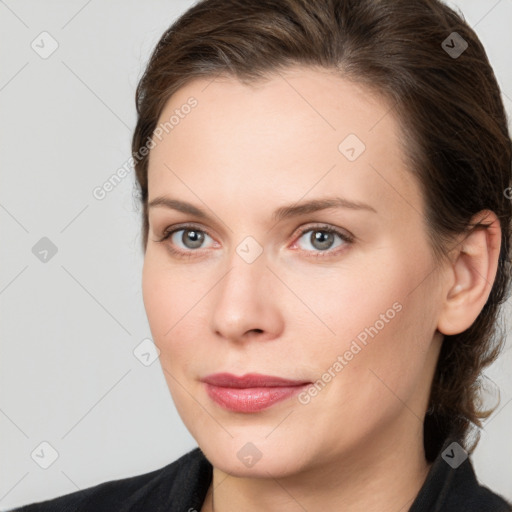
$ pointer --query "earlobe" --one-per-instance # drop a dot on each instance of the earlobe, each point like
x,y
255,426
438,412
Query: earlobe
x,y
472,273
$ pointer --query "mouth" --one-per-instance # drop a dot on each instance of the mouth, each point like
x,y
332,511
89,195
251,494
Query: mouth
x,y
252,392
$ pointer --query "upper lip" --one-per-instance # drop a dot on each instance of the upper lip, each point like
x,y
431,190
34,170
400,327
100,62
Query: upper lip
x,y
250,380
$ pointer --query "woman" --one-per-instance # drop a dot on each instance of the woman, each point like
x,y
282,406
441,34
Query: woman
x,y
326,231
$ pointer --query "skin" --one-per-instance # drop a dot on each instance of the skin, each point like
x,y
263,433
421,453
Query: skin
x,y
241,153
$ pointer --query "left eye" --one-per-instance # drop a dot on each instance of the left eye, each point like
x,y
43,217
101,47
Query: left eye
x,y
322,239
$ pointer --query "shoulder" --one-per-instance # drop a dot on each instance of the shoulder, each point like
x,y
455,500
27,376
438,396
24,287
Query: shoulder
x,y
468,494
184,480
452,485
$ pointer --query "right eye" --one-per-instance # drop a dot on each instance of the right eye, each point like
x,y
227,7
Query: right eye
x,y
189,235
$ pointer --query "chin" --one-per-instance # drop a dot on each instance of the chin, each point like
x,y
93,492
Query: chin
x,y
244,458
251,454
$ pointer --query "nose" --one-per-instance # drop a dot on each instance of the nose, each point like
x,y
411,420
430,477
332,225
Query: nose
x,y
245,304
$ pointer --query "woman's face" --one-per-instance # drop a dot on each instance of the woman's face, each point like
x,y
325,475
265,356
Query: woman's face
x,y
253,284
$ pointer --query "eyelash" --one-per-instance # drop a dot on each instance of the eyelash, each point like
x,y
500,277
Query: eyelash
x,y
345,237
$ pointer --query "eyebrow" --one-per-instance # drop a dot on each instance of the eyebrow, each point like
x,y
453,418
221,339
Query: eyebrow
x,y
284,212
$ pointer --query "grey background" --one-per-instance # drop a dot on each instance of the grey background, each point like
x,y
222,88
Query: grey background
x,y
68,373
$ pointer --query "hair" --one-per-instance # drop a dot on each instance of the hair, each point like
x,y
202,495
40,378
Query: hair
x,y
449,108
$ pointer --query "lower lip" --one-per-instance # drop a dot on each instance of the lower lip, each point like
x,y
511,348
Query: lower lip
x,y
251,399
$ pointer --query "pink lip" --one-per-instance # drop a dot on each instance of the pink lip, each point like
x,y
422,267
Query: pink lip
x,y
252,392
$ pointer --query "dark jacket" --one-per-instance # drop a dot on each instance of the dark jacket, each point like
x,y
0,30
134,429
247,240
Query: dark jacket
x,y
181,486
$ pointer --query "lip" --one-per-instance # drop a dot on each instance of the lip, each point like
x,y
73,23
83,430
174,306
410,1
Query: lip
x,y
252,392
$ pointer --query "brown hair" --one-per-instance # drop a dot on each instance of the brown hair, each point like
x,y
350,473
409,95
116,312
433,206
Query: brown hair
x,y
449,107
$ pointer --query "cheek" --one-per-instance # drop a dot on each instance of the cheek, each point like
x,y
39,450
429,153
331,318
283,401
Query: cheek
x,y
164,299
155,296
349,303
164,303
383,326
170,301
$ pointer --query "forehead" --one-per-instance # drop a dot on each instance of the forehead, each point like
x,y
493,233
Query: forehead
x,y
311,103
297,131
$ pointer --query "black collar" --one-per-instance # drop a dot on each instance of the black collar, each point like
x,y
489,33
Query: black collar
x,y
451,485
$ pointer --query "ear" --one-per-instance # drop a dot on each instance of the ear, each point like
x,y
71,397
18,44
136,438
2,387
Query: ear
x,y
471,274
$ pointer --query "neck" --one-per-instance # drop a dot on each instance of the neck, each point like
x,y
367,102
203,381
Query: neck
x,y
374,477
